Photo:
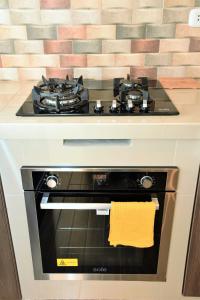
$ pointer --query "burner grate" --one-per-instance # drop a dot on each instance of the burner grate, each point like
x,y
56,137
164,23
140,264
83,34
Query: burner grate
x,y
60,95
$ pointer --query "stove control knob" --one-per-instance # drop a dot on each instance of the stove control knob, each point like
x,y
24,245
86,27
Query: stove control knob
x,y
130,105
52,181
113,107
98,107
146,182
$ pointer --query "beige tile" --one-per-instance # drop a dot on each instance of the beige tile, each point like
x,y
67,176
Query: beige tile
x,y
55,16
116,16
174,3
31,73
88,73
171,71
25,16
13,32
129,59
184,30
110,73
147,15
86,16
174,45
28,46
116,46
117,4
101,32
176,15
191,58
100,60
77,4
8,74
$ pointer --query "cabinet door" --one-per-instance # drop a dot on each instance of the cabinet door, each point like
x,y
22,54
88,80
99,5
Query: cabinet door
x,y
191,285
9,283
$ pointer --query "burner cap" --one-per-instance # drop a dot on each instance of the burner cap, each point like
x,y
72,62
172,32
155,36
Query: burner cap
x,y
134,95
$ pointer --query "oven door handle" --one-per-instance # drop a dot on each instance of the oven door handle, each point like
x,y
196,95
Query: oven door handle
x,y
44,204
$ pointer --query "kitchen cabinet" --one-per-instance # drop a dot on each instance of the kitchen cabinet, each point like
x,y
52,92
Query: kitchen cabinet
x,y
9,283
191,285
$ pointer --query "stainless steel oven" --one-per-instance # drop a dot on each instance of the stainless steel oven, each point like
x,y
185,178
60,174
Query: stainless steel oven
x,y
68,218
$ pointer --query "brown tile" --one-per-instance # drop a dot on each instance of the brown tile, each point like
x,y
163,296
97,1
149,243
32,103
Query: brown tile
x,y
57,46
178,83
59,73
143,71
194,45
49,4
145,45
71,32
73,60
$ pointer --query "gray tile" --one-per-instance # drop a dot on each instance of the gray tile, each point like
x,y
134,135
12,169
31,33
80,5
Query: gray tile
x,y
158,59
6,46
35,32
87,46
130,31
160,31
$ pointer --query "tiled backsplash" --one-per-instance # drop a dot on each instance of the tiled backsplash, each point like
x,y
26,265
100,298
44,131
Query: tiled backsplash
x,y
98,39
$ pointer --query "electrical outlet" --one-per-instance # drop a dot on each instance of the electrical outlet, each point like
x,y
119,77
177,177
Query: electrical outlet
x,y
194,17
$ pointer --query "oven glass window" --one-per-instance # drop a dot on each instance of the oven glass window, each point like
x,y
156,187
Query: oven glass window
x,y
76,241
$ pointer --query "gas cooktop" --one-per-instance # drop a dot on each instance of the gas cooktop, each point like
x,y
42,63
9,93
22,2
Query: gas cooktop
x,y
69,97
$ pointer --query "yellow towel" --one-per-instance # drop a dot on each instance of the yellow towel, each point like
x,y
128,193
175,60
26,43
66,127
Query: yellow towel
x,y
132,224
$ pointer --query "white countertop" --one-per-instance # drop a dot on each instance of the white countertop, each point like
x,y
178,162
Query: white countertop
x,y
184,126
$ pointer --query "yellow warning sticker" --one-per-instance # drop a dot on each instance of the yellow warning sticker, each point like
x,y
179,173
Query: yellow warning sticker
x,y
67,262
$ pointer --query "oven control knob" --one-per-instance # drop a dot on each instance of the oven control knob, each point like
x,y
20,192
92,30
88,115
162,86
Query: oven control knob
x,y
52,181
146,182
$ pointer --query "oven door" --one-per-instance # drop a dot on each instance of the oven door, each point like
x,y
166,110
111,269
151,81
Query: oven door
x,y
69,237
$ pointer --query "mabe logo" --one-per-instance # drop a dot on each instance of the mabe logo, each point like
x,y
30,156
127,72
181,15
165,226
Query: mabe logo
x,y
100,269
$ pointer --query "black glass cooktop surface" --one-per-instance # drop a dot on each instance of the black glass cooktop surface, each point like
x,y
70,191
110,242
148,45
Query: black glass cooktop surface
x,y
100,98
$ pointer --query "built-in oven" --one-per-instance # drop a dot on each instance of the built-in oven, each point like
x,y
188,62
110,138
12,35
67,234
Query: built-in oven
x,y
68,211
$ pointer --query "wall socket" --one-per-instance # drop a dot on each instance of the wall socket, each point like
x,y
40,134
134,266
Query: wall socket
x,y
194,17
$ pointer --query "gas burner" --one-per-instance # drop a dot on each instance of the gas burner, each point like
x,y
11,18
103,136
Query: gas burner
x,y
60,96
133,95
